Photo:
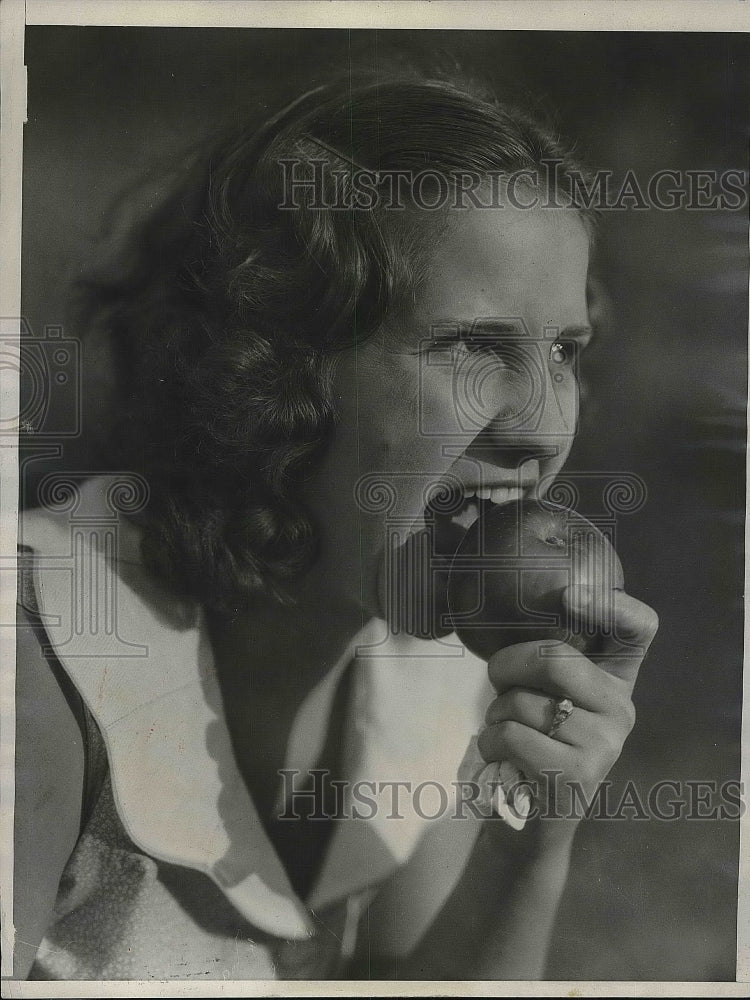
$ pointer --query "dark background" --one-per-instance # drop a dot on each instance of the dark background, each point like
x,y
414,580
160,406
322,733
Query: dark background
x,y
647,899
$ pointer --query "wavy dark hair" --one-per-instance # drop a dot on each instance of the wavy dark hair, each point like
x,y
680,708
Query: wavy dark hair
x,y
225,313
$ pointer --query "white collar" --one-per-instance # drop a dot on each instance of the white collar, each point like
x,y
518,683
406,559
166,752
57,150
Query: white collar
x,y
142,661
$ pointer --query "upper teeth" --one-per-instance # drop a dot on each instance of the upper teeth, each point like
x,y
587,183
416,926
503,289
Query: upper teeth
x,y
497,494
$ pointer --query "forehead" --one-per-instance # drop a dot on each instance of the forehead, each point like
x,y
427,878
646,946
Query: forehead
x,y
508,262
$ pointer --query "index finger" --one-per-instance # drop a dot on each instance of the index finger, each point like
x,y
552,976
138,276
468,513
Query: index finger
x,y
555,669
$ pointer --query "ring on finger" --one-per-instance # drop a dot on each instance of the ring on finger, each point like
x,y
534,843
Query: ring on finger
x,y
564,708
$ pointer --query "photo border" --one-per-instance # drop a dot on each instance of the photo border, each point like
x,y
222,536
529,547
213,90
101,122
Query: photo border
x,y
506,15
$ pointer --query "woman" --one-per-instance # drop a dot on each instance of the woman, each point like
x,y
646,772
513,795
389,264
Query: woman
x,y
352,303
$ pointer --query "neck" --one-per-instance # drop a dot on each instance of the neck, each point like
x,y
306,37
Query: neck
x,y
267,662
278,653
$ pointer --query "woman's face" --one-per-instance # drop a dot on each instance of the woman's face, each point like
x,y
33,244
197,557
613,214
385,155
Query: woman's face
x,y
474,385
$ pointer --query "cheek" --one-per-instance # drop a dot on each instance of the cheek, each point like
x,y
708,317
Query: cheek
x,y
403,444
378,440
564,397
389,415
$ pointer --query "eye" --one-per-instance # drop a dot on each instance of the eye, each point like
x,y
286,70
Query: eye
x,y
562,352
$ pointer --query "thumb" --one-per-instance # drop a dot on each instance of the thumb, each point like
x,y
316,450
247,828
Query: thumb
x,y
626,627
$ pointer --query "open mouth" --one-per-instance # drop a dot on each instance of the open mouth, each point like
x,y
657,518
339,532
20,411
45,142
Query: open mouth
x,y
471,484
452,511
414,574
474,499
413,582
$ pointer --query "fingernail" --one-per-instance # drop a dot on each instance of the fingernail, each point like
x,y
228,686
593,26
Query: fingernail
x,y
579,595
522,802
498,800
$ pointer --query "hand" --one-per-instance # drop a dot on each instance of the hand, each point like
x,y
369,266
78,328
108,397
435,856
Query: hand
x,y
531,677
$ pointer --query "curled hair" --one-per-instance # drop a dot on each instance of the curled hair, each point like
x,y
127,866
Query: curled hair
x,y
226,311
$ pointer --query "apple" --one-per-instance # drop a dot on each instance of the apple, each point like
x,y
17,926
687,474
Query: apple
x,y
508,575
